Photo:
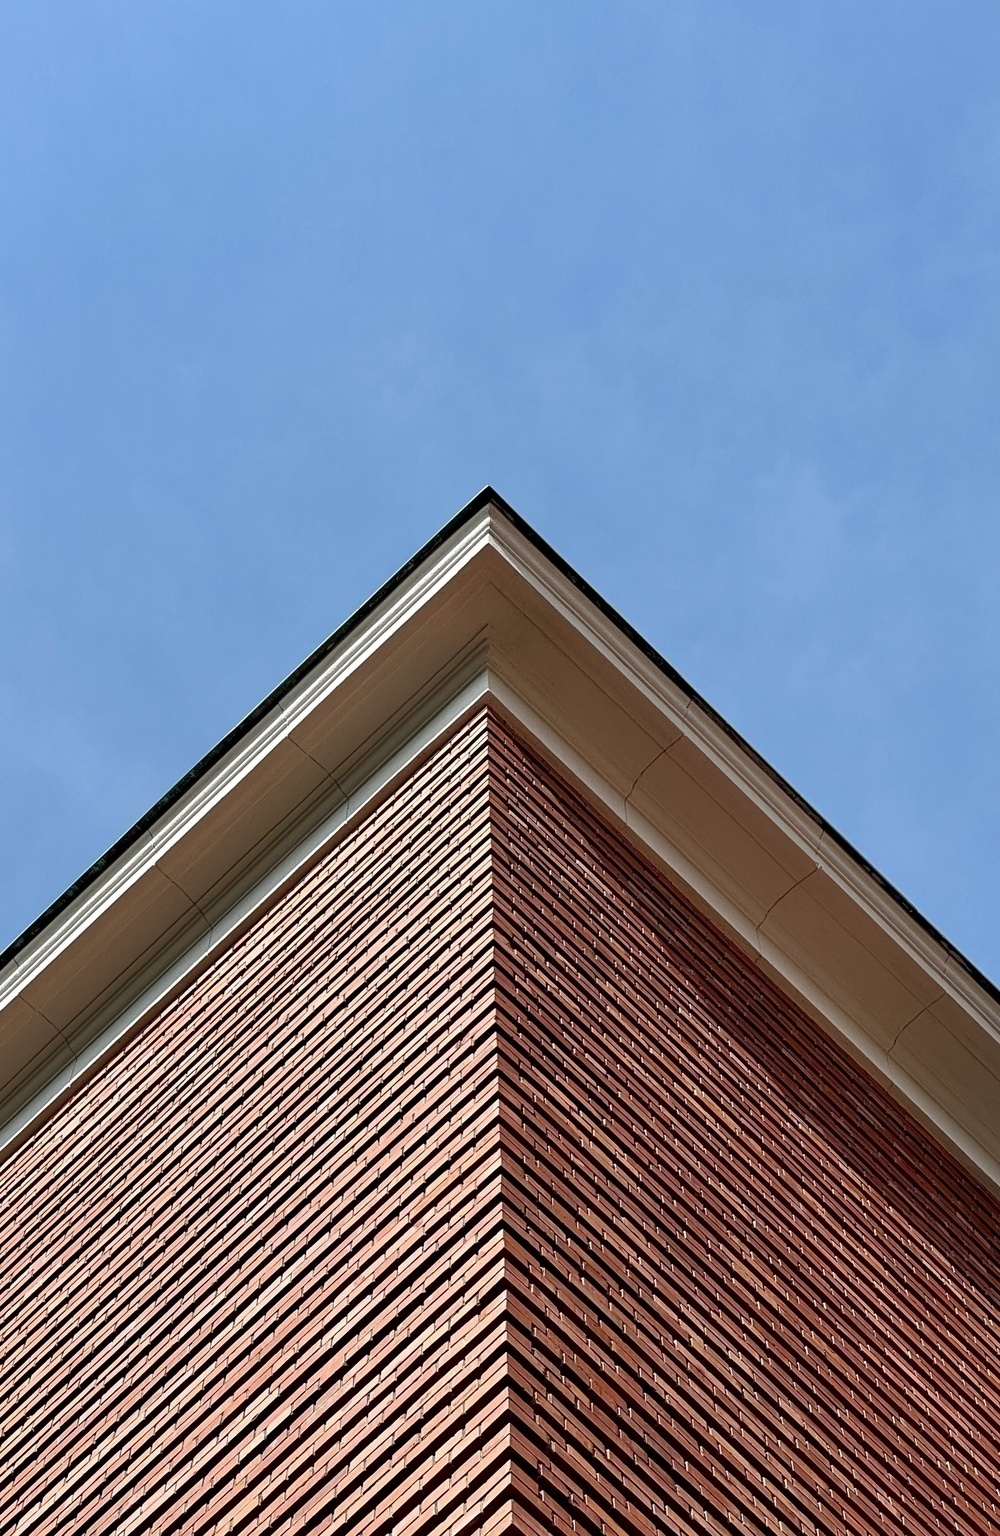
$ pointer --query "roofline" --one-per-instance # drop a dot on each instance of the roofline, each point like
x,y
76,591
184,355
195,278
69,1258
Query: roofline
x,y
233,737
487,497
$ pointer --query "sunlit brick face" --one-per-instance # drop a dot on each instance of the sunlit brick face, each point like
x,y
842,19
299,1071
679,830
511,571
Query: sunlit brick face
x,y
482,1185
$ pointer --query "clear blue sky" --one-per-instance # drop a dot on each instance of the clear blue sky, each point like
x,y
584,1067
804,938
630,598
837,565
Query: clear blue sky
x,y
710,291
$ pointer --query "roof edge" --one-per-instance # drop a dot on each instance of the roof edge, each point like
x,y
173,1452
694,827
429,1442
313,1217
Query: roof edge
x,y
242,729
489,591
487,497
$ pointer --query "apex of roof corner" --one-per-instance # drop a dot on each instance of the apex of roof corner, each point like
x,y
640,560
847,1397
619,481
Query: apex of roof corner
x,y
488,611
489,497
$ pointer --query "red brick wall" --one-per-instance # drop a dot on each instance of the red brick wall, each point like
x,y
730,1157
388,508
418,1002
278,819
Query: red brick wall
x,y
253,1275
747,1290
481,1185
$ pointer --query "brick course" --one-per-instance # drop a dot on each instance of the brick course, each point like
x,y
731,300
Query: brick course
x,y
482,1185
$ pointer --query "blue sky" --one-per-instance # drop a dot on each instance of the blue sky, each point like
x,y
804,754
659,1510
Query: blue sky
x,y
708,290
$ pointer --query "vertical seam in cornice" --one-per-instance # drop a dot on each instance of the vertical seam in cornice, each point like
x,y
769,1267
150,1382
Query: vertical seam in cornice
x,y
779,899
662,753
190,899
925,1008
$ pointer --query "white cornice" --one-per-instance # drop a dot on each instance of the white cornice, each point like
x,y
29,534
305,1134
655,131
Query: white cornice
x,y
166,982
760,786
245,757
795,980
488,614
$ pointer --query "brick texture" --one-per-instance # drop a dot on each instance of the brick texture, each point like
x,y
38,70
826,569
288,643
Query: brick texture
x,y
747,1290
479,1186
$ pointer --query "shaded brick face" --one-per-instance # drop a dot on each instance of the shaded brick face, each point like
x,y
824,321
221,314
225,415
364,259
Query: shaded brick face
x,y
482,1185
747,1291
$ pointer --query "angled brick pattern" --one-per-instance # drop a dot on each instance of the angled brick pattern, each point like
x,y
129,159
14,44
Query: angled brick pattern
x,y
481,1185
252,1274
747,1292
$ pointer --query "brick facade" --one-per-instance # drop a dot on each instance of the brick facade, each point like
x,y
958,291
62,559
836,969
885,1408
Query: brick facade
x,y
482,1185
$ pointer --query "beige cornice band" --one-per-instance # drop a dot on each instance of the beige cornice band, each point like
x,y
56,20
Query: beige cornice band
x,y
488,615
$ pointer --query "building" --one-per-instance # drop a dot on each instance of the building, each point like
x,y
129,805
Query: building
x,y
483,1097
